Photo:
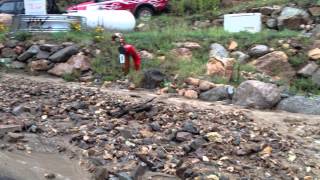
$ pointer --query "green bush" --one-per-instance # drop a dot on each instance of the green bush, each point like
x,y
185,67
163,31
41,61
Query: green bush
x,y
22,36
182,7
304,85
69,77
298,60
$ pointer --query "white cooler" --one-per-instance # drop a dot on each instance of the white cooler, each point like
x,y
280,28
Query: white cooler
x,y
250,22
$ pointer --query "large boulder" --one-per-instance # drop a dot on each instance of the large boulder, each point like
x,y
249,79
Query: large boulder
x,y
300,104
258,50
40,65
61,69
6,19
316,78
8,53
152,79
275,64
257,94
49,47
309,69
220,67
32,51
80,62
43,55
63,54
292,18
218,93
218,51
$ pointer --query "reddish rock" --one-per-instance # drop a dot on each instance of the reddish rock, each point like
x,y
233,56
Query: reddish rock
x,y
39,65
275,64
182,53
206,85
79,62
193,81
220,67
61,69
191,94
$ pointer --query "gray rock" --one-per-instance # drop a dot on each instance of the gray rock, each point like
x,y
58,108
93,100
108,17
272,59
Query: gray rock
x,y
6,62
18,110
43,55
216,94
190,127
155,126
100,173
259,50
289,12
11,43
218,51
18,65
14,137
316,77
197,143
241,57
33,50
8,53
49,47
152,79
63,54
124,176
272,23
257,94
9,128
183,136
316,31
292,18
309,69
301,104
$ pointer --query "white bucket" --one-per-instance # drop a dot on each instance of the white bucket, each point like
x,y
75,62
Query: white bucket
x,y
114,20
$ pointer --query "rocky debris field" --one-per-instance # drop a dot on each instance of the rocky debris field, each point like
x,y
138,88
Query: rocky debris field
x,y
117,137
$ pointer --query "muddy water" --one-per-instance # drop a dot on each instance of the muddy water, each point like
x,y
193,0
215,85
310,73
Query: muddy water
x,y
23,166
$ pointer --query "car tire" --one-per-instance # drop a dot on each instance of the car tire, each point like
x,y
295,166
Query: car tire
x,y
144,13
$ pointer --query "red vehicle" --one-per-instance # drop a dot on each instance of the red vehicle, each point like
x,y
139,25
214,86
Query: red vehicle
x,y
140,8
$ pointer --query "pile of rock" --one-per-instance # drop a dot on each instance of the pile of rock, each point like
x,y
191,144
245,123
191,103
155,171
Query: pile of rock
x,y
56,59
129,138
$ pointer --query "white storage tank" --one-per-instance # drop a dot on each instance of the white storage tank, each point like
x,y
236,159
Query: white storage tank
x,y
250,22
116,20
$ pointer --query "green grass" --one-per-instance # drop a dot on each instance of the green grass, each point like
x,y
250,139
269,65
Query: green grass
x,y
161,40
304,85
298,60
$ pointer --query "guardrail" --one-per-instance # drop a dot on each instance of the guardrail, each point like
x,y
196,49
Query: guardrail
x,y
45,23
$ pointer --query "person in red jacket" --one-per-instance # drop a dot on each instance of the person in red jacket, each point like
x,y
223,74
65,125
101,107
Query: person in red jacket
x,y
125,52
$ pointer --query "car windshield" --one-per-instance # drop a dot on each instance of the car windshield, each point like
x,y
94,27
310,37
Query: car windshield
x,y
7,7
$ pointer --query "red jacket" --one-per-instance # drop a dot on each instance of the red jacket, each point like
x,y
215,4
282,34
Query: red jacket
x,y
131,51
